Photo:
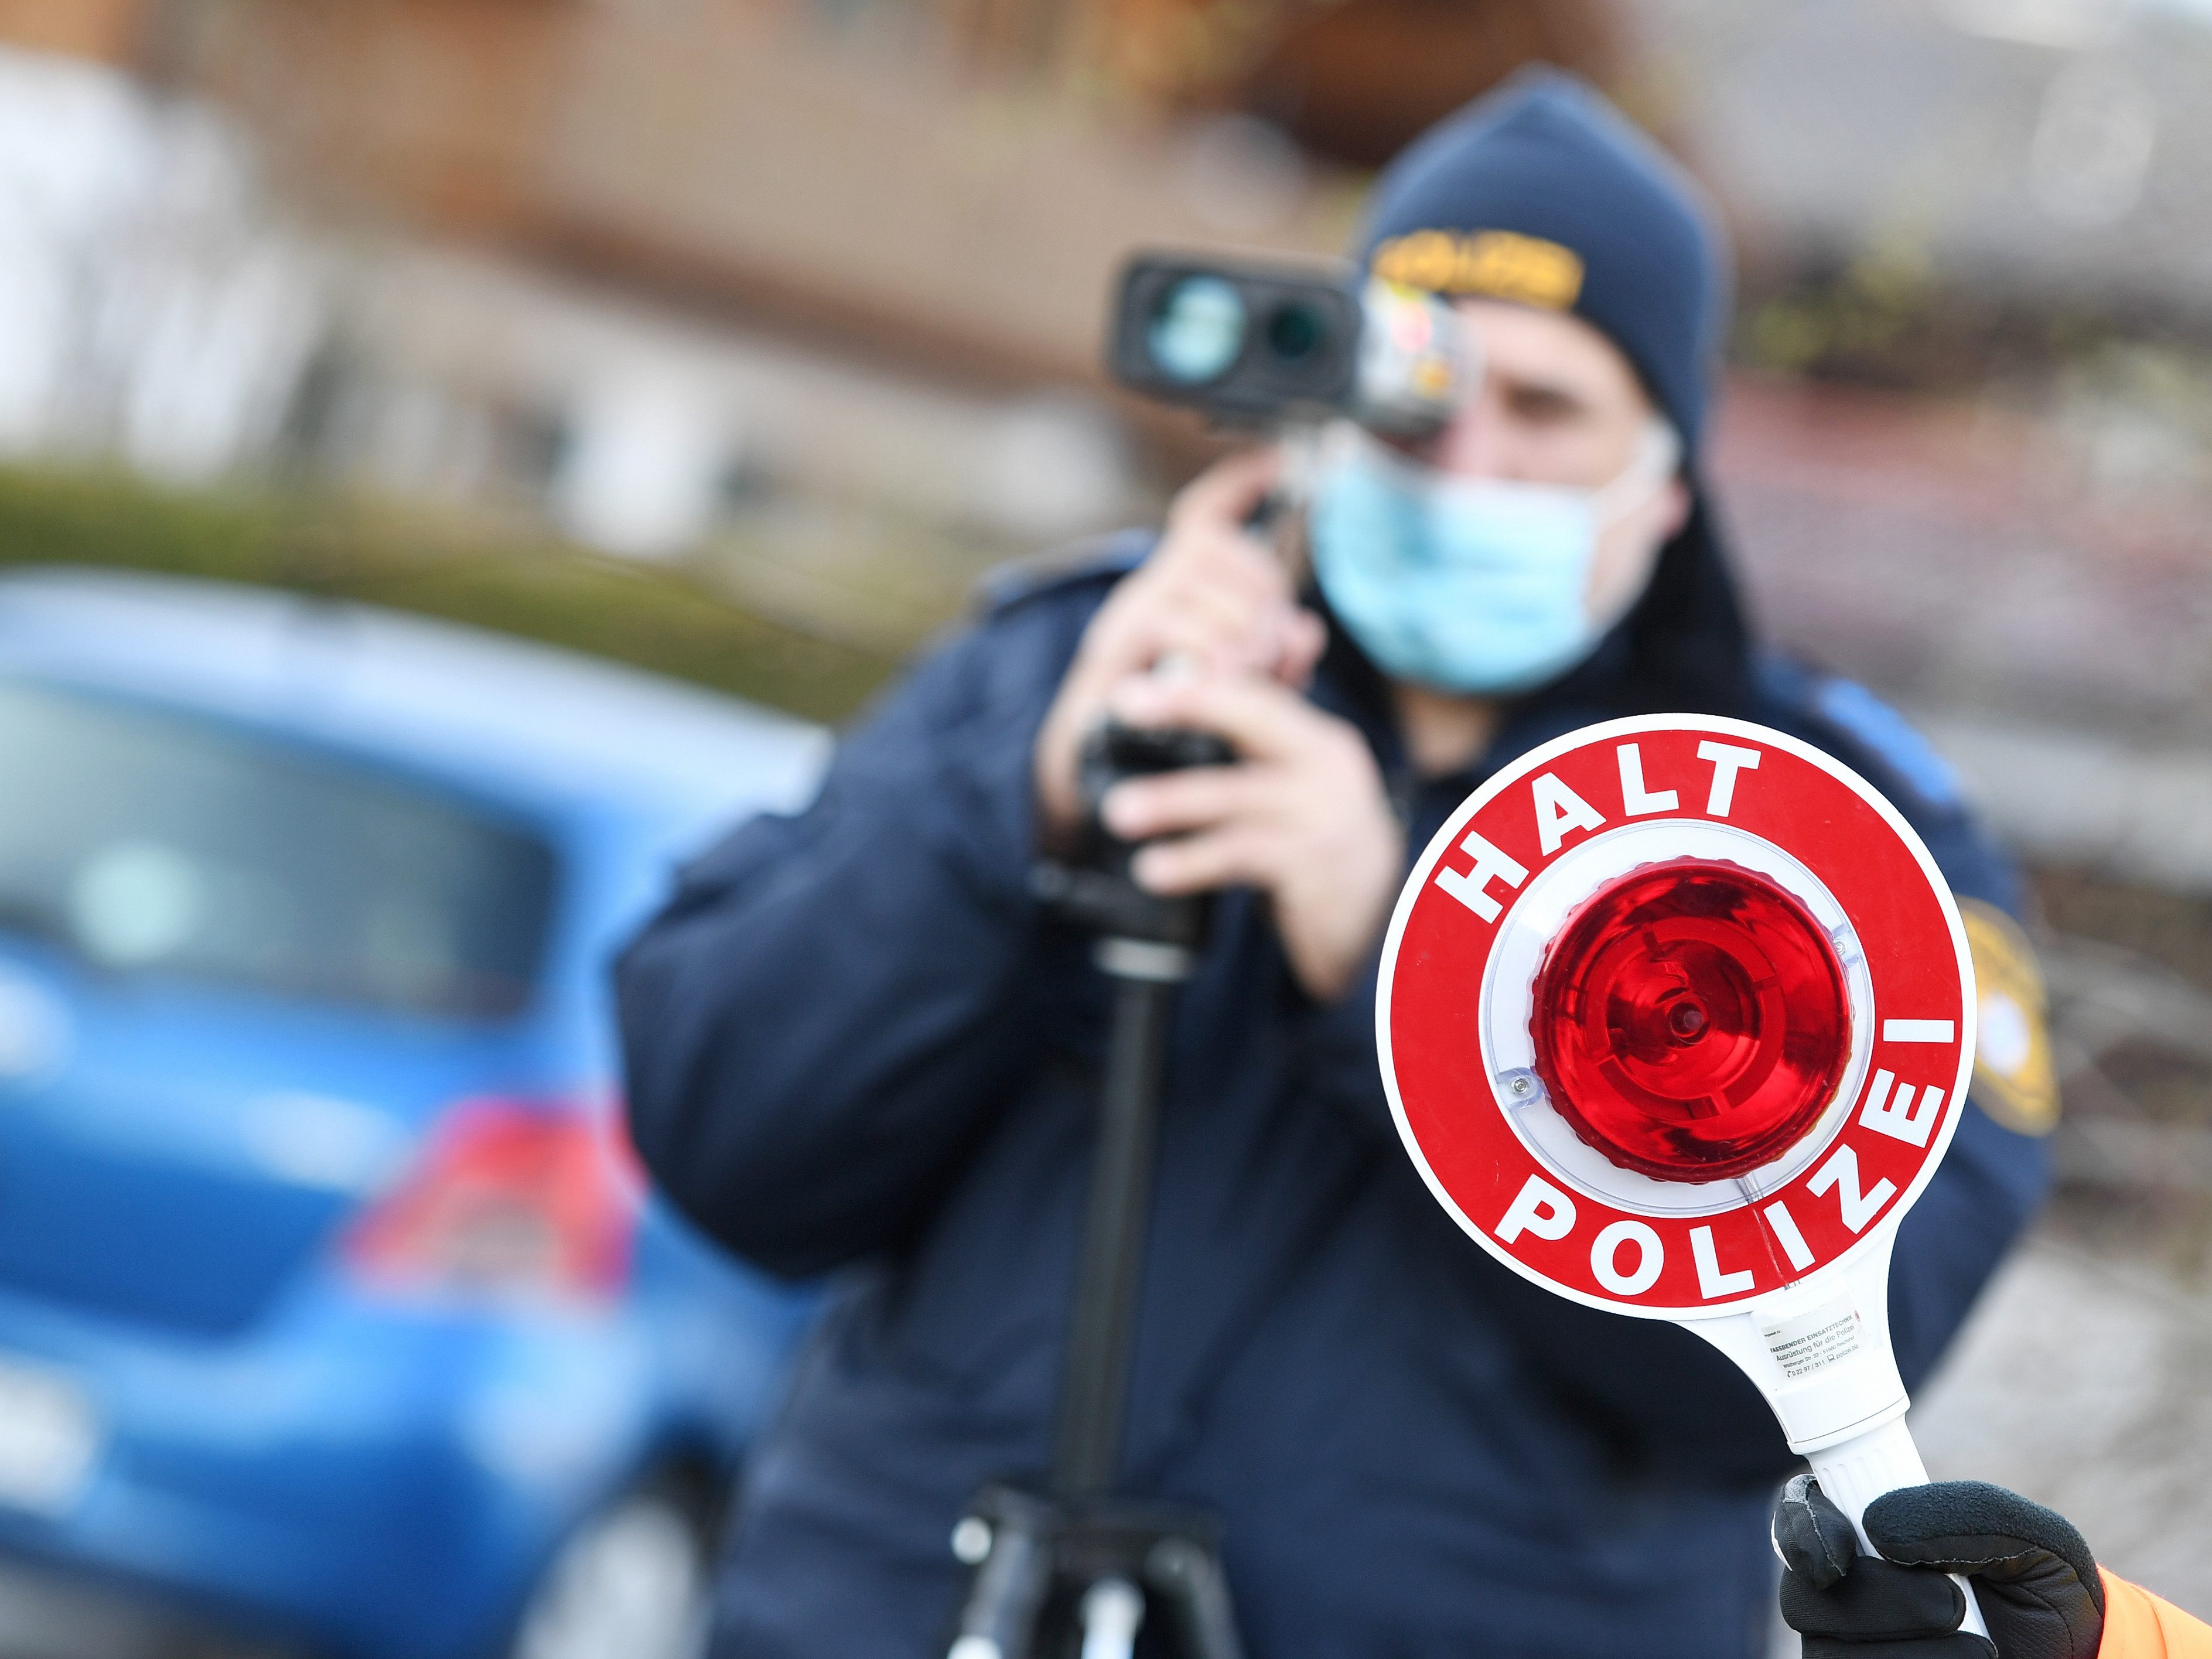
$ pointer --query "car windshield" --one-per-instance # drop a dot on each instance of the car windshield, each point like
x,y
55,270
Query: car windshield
x,y
148,841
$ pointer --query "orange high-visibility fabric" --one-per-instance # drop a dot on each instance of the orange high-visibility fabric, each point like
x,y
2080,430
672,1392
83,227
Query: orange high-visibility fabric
x,y
2139,1625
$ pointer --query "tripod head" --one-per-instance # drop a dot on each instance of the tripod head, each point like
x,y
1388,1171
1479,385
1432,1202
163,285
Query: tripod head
x,y
1097,891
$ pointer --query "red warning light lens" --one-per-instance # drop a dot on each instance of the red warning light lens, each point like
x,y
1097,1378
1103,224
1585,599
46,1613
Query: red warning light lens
x,y
1691,1020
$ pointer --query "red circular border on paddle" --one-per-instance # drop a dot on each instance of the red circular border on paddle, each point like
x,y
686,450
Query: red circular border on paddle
x,y
1440,1078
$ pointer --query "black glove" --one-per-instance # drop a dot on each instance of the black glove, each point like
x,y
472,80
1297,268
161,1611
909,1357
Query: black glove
x,y
2035,1578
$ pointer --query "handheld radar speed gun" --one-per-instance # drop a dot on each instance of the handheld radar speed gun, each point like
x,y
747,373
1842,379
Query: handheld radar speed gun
x,y
1676,1016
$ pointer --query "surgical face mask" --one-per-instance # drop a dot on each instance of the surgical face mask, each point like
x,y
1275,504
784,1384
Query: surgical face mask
x,y
1475,585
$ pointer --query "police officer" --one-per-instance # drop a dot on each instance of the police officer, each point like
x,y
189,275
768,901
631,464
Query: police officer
x,y
855,1040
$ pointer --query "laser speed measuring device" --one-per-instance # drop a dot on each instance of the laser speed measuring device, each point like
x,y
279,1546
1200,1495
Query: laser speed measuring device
x,y
1676,1017
1274,345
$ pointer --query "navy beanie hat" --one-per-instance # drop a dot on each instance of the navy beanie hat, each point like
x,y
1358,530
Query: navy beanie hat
x,y
1541,192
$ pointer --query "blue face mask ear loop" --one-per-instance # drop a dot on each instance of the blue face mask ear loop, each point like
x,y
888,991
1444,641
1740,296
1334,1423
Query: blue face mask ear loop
x,y
1658,455
1658,452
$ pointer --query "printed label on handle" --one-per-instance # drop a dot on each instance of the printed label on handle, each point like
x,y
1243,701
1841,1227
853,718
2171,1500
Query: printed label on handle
x,y
1814,1341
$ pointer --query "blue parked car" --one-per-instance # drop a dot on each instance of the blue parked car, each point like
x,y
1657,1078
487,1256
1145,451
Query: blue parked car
x,y
333,1312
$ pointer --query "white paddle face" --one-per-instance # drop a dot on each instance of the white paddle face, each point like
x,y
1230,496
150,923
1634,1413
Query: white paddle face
x,y
1676,1016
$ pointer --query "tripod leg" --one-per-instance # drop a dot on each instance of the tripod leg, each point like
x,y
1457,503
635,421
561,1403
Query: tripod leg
x,y
1000,1617
1096,1382
1190,1580
1113,1611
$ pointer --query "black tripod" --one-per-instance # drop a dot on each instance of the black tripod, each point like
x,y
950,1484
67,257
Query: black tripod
x,y
1071,1573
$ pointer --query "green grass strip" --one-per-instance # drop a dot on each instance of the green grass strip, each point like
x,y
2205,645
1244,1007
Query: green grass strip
x,y
514,582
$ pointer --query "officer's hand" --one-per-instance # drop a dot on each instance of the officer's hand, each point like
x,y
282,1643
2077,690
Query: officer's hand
x,y
1302,816
1212,595
2035,1578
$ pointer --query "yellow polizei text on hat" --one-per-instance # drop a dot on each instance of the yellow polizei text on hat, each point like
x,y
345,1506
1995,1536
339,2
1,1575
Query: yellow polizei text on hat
x,y
1501,265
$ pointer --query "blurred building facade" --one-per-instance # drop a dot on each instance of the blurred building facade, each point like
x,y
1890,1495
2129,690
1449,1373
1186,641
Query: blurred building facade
x,y
822,281
817,285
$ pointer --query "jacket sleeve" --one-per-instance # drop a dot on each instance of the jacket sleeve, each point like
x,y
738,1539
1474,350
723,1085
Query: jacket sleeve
x,y
818,1024
2140,1625
1337,1052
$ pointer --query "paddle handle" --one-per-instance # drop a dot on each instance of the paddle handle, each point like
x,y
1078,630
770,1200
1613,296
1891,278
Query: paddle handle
x,y
1856,1472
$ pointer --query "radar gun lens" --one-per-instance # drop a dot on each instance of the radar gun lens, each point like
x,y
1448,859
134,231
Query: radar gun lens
x,y
1197,329
1296,332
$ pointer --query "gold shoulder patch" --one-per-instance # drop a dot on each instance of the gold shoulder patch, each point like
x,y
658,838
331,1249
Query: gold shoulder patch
x,y
2013,1078
1501,265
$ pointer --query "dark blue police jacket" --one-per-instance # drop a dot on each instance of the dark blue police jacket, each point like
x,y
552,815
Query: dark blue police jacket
x,y
855,1042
